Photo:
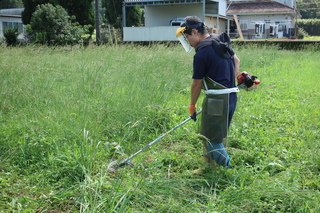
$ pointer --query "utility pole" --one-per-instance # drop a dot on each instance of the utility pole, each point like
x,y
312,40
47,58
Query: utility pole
x,y
98,36
238,26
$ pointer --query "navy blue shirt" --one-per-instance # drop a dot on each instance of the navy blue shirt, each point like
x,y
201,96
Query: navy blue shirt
x,y
207,62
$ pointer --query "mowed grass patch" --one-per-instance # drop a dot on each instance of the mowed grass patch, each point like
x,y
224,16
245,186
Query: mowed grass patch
x,y
65,114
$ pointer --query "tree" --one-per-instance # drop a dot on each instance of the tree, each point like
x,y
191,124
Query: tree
x,y
5,4
30,8
134,16
309,9
82,10
51,25
11,36
114,13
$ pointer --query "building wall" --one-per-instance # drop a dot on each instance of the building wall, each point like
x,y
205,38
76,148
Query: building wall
x,y
13,20
223,4
158,33
281,25
216,7
251,20
161,15
157,17
290,3
217,25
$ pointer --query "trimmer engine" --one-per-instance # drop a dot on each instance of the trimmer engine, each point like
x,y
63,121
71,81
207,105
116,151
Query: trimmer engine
x,y
247,81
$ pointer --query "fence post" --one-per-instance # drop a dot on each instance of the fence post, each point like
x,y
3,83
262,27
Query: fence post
x,y
115,36
110,34
98,36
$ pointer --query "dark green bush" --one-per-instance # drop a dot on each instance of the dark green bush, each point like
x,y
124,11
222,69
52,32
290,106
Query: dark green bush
x,y
302,33
11,36
52,26
311,26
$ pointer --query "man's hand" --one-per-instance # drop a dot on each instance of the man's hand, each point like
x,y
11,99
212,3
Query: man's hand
x,y
193,111
195,92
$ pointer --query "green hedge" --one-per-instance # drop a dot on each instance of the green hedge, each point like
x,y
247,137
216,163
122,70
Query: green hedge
x,y
311,26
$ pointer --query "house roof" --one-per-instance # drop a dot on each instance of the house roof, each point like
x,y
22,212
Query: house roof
x,y
166,1
14,12
159,2
258,7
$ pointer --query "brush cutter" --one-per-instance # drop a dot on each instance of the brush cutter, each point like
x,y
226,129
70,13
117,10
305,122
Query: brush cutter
x,y
113,166
247,81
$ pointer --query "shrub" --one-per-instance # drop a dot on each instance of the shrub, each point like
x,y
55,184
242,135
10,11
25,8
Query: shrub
x,y
311,26
11,36
302,33
29,34
51,25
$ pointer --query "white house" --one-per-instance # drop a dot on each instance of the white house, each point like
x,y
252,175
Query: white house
x,y
263,18
159,15
11,18
162,15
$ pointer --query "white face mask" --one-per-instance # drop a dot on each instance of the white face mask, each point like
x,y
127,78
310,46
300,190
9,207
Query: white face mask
x,y
185,43
183,39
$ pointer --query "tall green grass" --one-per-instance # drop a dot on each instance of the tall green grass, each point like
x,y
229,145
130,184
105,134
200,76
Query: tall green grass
x,y
65,114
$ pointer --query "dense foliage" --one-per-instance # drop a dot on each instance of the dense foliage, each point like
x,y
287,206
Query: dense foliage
x,y
81,10
11,36
4,4
31,6
311,26
134,16
51,25
114,13
309,9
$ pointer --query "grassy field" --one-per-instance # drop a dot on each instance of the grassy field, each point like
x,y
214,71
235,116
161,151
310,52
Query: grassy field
x,y
312,38
65,114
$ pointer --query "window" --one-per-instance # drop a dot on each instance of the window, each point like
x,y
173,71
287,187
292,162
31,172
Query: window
x,y
244,25
18,25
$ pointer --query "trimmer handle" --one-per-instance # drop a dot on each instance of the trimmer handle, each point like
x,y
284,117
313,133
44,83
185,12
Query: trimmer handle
x,y
194,115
